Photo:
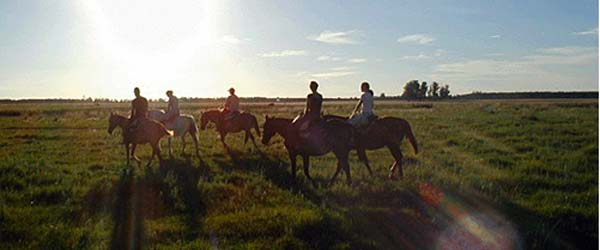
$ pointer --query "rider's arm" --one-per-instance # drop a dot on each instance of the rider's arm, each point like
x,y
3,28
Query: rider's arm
x,y
132,110
307,104
357,106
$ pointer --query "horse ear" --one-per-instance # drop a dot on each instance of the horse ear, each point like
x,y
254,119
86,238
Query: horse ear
x,y
267,117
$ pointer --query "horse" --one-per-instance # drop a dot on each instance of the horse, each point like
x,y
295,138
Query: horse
x,y
336,139
180,126
149,131
383,132
244,122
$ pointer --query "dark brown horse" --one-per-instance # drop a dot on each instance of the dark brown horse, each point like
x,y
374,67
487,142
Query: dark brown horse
x,y
337,139
383,132
149,131
244,122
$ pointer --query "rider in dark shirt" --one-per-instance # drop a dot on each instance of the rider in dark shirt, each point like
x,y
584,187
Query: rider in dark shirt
x,y
314,101
312,111
139,108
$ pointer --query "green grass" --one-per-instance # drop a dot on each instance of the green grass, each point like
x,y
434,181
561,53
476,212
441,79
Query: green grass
x,y
491,174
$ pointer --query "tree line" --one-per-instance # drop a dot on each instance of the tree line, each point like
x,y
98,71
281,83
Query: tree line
x,y
413,90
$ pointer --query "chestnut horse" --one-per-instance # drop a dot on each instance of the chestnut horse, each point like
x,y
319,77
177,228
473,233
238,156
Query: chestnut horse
x,y
244,122
383,132
148,131
337,139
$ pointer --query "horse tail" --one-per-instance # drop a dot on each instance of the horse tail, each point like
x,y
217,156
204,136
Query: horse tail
x,y
164,130
193,128
411,136
255,123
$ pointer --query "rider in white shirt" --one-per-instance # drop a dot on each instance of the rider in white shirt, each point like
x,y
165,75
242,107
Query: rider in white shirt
x,y
172,108
366,101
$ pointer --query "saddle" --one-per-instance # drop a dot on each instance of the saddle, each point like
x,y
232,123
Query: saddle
x,y
370,120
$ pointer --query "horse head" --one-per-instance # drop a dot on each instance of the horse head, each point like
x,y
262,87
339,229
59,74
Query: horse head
x,y
208,116
268,130
112,122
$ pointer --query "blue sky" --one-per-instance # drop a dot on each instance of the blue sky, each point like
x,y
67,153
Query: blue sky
x,y
274,48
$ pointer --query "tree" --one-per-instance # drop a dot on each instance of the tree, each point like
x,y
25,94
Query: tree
x,y
411,89
423,90
433,91
445,91
382,96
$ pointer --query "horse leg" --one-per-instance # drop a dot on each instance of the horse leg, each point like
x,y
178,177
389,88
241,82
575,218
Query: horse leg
x,y
306,165
183,142
395,150
133,147
195,139
293,164
337,171
170,148
223,134
152,157
127,153
253,141
362,156
346,165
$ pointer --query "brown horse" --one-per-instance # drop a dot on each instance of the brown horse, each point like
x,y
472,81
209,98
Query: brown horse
x,y
383,132
149,131
337,140
244,122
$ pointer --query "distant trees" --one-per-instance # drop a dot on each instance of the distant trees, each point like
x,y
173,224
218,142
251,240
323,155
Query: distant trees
x,y
413,90
445,91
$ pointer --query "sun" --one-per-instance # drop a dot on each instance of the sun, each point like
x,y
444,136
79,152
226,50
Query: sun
x,y
151,41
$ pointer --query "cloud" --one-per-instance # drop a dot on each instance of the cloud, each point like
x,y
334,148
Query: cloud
x,y
332,74
340,37
416,38
558,65
335,73
415,57
357,60
284,53
495,36
328,58
587,32
494,54
231,39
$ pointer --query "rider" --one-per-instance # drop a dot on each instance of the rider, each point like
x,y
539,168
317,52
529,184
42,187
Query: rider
x,y
139,109
312,111
232,104
363,117
172,108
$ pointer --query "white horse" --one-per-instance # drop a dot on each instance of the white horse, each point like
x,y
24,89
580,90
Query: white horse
x,y
182,125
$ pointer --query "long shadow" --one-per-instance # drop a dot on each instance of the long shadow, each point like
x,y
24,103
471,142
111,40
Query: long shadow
x,y
170,188
275,170
127,214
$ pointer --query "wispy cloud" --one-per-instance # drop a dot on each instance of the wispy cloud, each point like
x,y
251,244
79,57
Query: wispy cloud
x,y
494,54
415,57
587,32
328,58
335,73
231,39
416,38
339,37
284,53
537,68
357,60
495,36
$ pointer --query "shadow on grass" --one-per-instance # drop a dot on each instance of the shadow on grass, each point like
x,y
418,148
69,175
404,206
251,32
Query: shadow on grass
x,y
170,188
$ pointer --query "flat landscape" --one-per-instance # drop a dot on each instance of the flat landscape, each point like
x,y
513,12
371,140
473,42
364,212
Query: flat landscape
x,y
501,174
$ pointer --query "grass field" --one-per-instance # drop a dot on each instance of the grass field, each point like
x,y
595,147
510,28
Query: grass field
x,y
518,174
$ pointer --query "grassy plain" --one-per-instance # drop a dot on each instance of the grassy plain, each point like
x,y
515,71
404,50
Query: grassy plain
x,y
497,174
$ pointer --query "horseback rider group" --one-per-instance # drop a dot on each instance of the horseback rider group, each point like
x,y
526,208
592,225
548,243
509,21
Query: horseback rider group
x,y
361,116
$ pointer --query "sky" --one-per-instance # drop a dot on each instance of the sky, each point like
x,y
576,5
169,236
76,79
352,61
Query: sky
x,y
72,49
